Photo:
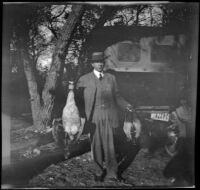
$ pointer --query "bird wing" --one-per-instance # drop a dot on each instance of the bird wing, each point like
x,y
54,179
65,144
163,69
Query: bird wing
x,y
81,128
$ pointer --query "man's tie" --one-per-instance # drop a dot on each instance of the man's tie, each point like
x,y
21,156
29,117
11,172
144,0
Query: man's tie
x,y
100,76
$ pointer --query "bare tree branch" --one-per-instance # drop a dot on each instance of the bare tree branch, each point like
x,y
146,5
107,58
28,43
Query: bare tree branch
x,y
139,9
55,17
126,19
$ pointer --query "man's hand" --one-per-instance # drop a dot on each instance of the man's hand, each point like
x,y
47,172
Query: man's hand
x,y
129,108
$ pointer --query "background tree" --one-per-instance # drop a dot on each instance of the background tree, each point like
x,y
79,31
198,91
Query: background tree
x,y
26,28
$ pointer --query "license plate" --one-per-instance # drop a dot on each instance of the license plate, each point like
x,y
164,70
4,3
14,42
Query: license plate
x,y
160,116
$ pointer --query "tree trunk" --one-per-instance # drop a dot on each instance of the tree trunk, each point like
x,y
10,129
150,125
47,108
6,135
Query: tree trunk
x,y
32,87
57,65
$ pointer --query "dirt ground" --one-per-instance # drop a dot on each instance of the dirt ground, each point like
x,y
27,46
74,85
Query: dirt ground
x,y
145,170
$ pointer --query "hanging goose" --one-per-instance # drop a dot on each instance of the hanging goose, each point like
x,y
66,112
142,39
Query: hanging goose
x,y
72,123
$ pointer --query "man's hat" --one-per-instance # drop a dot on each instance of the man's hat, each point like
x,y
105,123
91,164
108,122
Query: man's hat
x,y
97,56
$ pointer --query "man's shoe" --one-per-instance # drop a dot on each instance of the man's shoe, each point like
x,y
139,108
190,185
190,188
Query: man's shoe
x,y
124,180
121,179
100,178
112,179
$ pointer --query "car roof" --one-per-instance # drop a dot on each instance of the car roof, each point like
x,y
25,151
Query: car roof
x,y
108,35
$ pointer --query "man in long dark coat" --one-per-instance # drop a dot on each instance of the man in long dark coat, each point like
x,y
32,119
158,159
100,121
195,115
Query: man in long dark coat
x,y
101,98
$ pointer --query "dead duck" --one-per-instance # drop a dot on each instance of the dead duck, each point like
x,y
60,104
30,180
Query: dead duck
x,y
132,126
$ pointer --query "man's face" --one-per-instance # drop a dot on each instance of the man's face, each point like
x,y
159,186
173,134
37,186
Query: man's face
x,y
98,65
